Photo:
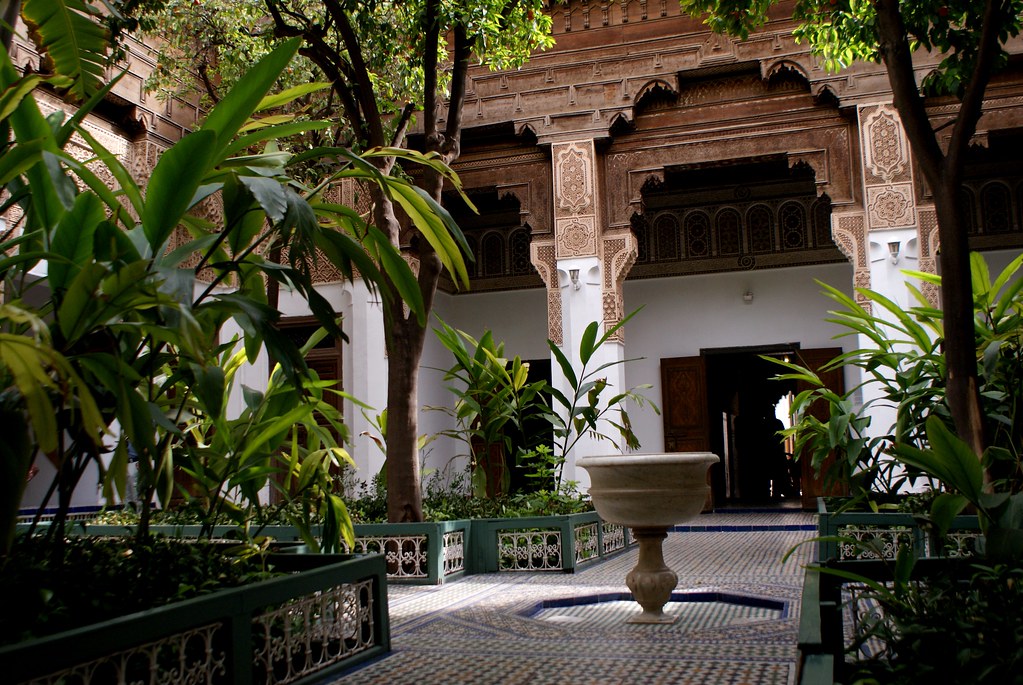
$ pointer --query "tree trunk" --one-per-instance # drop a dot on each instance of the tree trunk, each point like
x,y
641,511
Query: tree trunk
x,y
943,172
404,350
961,391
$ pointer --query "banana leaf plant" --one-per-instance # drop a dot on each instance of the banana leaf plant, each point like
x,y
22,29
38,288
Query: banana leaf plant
x,y
492,393
586,410
904,368
111,323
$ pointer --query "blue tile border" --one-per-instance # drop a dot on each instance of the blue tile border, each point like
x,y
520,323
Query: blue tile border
x,y
680,597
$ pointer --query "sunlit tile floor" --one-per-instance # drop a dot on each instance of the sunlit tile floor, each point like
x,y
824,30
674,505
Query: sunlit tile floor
x,y
738,605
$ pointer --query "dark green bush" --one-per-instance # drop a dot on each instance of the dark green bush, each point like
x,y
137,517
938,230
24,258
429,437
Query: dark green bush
x,y
102,578
949,631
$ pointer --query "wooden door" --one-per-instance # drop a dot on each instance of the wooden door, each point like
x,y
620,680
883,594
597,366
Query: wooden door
x,y
684,409
813,486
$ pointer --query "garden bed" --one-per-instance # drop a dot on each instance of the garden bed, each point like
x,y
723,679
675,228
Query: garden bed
x,y
436,552
879,535
950,620
327,614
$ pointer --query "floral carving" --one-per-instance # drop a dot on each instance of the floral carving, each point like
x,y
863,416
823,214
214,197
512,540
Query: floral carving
x,y
890,206
576,239
886,152
575,179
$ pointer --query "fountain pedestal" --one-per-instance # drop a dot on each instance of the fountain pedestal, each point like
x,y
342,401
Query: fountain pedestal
x,y
651,581
649,493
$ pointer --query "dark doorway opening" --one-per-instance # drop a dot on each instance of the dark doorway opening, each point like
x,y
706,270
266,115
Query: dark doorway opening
x,y
746,408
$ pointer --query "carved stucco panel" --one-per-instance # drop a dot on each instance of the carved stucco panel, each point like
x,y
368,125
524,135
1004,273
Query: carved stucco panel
x,y
885,149
850,235
576,237
620,253
573,178
541,254
928,242
891,206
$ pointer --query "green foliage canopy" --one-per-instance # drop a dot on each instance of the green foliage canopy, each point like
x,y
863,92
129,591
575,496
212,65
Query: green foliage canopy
x,y
843,31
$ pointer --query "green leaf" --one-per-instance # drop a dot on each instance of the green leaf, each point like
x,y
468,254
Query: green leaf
x,y
289,94
72,245
949,459
586,347
12,96
173,184
75,40
270,195
945,508
227,118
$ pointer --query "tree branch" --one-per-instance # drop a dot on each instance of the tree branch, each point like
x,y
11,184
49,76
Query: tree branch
x,y
898,61
359,73
995,13
431,40
402,126
456,105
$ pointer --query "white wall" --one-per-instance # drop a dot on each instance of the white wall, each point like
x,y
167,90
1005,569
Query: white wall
x,y
684,315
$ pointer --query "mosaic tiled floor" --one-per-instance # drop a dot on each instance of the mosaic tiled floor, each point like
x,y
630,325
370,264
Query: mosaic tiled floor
x,y
738,618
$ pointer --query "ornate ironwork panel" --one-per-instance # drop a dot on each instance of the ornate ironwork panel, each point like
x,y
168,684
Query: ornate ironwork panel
x,y
586,542
874,542
193,657
305,635
524,550
614,537
454,552
406,555
957,544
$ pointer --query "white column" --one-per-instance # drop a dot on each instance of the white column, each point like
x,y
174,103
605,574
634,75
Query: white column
x,y
588,294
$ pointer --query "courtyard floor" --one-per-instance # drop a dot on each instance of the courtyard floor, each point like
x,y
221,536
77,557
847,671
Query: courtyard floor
x,y
738,606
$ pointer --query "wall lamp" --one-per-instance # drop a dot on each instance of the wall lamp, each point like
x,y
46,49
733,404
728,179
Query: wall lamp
x,y
573,275
893,251
747,297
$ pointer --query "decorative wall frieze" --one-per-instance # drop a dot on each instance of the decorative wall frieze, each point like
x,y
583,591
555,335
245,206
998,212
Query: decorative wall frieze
x,y
827,149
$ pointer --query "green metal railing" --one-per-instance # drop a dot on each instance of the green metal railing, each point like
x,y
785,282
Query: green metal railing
x,y
293,629
879,535
544,543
